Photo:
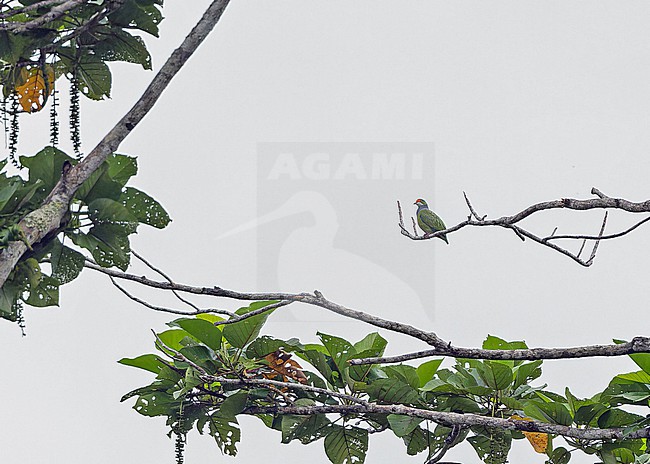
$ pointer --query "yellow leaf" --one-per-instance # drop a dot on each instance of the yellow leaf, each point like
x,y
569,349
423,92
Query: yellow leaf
x,y
537,439
33,90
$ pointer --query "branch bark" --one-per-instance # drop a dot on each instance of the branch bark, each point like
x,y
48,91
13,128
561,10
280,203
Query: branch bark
x,y
48,217
442,347
451,419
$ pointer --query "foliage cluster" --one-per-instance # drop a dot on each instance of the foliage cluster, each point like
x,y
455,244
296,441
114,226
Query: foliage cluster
x,y
76,45
196,387
104,212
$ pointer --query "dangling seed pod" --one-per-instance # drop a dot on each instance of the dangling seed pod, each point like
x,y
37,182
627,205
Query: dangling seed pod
x,y
13,133
75,134
54,119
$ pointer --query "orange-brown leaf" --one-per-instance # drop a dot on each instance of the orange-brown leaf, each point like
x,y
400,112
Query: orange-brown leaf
x,y
282,363
537,439
33,90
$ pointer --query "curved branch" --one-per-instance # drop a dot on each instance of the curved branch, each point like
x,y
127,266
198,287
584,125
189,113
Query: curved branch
x,y
442,348
48,217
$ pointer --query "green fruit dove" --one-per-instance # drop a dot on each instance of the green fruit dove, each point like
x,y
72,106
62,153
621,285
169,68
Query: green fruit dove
x,y
429,221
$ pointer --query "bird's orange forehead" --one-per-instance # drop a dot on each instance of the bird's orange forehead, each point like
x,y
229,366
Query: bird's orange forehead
x,y
419,200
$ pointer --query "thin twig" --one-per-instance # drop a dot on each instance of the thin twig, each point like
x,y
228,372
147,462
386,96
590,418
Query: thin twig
x,y
166,277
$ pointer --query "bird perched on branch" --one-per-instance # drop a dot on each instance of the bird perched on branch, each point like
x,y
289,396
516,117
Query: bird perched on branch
x,y
429,221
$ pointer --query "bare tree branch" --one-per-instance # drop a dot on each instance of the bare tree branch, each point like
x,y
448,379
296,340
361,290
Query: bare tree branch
x,y
48,217
511,222
636,345
442,348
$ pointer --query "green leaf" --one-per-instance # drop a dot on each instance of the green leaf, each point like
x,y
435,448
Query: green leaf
x,y
560,456
589,414
108,210
403,425
392,391
144,208
201,330
94,77
496,343
99,185
172,338
121,168
226,433
134,15
67,263
492,445
527,372
346,445
108,243
46,293
9,294
339,349
119,45
419,440
427,370
404,372
46,165
617,418
154,404
233,405
641,359
555,413
239,334
148,362
264,345
496,375
304,428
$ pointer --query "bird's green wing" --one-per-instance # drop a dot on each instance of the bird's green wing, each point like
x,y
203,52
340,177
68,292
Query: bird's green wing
x,y
431,219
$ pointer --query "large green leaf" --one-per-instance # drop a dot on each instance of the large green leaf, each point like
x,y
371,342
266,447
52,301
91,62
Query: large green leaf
x,y
121,168
427,370
264,345
144,208
239,334
134,14
339,349
403,425
617,418
305,428
346,445
226,433
46,293
108,243
94,77
148,362
66,262
496,375
407,374
119,45
390,391
46,165
492,445
202,330
99,185
552,412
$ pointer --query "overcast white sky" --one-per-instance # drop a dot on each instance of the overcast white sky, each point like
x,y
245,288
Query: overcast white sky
x,y
512,102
